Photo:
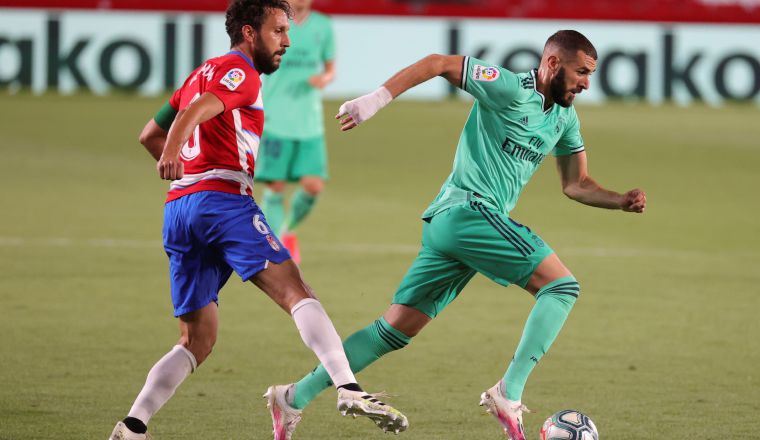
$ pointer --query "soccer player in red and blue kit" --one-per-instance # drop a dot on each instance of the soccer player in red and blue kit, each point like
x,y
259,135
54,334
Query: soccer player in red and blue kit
x,y
213,226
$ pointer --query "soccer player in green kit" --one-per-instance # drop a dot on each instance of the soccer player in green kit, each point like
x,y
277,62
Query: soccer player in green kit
x,y
293,148
515,121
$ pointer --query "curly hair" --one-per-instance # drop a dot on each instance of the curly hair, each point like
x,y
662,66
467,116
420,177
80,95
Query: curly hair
x,y
252,13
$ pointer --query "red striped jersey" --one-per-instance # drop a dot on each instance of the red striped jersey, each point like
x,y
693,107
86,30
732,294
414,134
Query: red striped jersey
x,y
221,152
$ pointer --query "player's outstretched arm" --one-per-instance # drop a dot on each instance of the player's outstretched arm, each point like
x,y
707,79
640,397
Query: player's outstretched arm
x,y
579,186
206,107
356,111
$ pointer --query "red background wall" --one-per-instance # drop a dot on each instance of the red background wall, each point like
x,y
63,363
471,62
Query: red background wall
x,y
638,10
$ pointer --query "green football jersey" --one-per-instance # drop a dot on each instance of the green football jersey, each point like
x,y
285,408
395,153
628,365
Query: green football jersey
x,y
506,137
292,107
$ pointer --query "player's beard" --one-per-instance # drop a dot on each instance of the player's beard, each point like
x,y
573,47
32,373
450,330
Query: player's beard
x,y
558,90
264,60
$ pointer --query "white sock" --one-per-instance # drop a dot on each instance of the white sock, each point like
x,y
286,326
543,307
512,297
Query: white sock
x,y
318,333
163,379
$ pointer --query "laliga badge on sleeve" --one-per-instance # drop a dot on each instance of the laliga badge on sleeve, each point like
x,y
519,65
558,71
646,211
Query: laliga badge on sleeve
x,y
485,73
233,78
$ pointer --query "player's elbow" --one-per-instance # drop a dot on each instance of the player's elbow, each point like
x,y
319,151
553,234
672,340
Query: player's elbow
x,y
572,191
151,133
144,138
434,58
447,66
436,63
145,135
577,187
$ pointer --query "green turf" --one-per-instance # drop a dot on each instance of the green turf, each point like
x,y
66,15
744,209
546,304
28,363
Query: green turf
x,y
662,344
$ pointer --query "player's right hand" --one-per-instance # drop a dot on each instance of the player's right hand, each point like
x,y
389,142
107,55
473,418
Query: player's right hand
x,y
170,168
634,200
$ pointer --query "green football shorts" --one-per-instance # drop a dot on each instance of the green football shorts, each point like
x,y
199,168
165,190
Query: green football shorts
x,y
463,240
290,159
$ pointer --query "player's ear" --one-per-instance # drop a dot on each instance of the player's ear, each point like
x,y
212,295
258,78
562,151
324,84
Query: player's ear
x,y
249,35
554,63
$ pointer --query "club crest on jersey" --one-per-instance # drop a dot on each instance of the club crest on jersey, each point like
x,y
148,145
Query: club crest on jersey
x,y
485,73
233,78
560,124
538,240
273,243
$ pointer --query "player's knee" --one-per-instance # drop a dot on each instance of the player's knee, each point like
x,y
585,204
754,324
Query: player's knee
x,y
289,295
313,186
201,351
277,186
199,345
405,320
393,337
565,289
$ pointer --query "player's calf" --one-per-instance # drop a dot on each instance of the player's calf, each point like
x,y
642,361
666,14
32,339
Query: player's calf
x,y
553,304
362,349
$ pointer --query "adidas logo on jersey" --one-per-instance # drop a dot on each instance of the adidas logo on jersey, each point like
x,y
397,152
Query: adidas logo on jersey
x,y
523,120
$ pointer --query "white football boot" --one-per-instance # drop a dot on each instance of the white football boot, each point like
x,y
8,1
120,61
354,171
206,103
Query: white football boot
x,y
507,412
121,432
284,417
359,403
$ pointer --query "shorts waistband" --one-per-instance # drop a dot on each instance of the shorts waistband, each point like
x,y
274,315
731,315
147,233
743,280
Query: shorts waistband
x,y
467,197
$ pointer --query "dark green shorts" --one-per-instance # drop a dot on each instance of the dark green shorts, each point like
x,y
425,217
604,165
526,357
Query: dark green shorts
x,y
463,240
290,159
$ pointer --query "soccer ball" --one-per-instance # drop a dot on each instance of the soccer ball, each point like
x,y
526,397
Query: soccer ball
x,y
569,424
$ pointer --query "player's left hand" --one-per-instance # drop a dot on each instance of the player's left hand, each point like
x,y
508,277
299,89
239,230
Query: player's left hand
x,y
634,200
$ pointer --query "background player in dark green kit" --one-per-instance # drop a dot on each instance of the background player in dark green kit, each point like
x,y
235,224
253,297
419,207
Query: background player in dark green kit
x,y
293,148
515,122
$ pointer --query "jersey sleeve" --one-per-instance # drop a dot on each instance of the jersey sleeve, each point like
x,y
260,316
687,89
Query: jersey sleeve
x,y
571,141
235,85
493,86
175,99
328,51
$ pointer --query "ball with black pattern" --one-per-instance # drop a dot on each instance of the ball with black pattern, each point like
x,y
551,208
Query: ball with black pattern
x,y
569,424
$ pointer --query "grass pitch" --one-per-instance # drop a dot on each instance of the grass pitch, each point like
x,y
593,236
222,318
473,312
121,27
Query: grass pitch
x,y
663,342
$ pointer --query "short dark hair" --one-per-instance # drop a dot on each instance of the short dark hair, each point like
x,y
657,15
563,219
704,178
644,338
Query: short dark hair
x,y
571,41
252,13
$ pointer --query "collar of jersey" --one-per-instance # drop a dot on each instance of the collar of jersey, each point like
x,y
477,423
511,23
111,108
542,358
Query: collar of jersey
x,y
242,55
534,74
302,23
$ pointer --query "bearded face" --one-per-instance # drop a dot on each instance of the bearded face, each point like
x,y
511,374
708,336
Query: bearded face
x,y
270,42
561,94
572,78
266,59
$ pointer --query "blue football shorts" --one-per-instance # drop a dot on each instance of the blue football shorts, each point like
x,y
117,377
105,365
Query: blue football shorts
x,y
209,234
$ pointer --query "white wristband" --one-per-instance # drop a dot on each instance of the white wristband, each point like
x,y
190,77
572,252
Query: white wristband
x,y
364,107
383,96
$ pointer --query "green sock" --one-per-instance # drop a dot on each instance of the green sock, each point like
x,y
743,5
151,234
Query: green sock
x,y
362,348
300,206
274,209
553,304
